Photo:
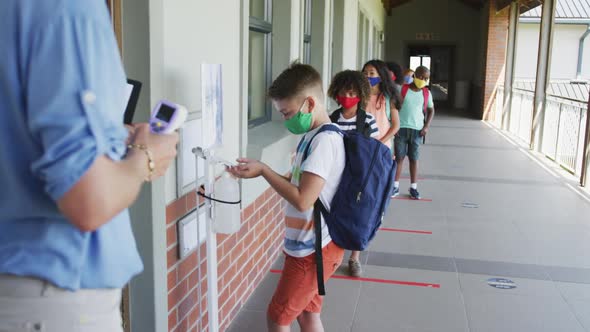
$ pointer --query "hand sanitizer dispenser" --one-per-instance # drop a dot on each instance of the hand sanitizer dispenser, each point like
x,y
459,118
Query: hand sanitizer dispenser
x,y
226,191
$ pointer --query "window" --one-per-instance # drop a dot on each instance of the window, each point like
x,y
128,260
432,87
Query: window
x,y
259,62
375,51
361,54
307,32
419,60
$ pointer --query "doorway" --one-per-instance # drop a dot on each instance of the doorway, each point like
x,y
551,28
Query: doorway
x,y
440,60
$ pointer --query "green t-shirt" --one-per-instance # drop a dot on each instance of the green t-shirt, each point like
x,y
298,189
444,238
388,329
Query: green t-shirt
x,y
412,113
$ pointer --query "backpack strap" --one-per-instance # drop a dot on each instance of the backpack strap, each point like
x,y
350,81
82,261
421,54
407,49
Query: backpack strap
x,y
405,89
322,129
426,94
361,125
387,107
319,259
318,209
335,115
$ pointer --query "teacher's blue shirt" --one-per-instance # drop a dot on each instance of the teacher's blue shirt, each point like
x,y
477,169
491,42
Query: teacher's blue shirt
x,y
61,106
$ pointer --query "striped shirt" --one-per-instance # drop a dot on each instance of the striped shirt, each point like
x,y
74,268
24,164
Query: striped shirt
x,y
350,124
325,159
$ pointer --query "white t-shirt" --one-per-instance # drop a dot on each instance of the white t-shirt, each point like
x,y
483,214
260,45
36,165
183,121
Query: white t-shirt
x,y
326,159
350,124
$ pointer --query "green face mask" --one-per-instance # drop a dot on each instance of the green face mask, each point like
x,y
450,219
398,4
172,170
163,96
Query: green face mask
x,y
300,123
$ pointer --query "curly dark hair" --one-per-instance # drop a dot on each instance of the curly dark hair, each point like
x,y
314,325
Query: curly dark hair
x,y
386,86
350,80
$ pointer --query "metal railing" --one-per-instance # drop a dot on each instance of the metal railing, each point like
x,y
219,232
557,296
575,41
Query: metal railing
x,y
564,125
564,128
521,121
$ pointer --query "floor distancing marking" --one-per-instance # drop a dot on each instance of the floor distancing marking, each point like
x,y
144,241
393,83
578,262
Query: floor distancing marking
x,y
379,281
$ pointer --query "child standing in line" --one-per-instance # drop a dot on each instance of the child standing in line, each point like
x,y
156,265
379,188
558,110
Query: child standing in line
x,y
397,75
415,117
408,76
384,100
350,89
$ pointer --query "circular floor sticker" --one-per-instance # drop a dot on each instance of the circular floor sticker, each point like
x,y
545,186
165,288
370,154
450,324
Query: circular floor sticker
x,y
501,283
469,205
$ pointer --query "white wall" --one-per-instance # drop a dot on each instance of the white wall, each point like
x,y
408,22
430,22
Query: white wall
x,y
193,34
375,11
564,58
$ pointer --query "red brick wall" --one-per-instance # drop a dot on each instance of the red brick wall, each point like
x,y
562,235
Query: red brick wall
x,y
496,54
243,260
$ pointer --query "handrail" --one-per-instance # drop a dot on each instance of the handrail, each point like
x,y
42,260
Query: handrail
x,y
523,90
555,96
586,152
582,103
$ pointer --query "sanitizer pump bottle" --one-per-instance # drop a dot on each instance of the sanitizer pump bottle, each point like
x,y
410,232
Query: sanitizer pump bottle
x,y
227,216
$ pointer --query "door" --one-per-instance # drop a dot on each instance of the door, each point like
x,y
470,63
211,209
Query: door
x,y
439,59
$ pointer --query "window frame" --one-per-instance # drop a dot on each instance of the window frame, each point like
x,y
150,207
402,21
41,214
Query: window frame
x,y
307,30
114,7
264,26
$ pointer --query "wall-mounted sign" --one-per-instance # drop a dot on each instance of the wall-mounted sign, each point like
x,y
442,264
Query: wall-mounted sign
x,y
212,104
427,36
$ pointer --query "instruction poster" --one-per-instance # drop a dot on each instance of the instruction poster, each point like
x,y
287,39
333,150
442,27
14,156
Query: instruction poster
x,y
212,105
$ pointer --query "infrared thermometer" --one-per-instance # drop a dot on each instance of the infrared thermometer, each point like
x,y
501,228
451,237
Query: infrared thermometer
x,y
167,117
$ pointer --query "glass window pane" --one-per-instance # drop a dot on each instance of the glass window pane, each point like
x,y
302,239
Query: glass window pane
x,y
414,62
257,8
307,12
257,76
426,62
307,52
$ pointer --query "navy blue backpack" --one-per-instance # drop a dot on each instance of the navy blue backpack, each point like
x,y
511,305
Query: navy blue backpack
x,y
362,197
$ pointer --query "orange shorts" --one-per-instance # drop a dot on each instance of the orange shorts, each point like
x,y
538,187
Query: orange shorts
x,y
297,290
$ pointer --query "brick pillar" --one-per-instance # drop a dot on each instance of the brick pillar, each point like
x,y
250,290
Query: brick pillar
x,y
498,23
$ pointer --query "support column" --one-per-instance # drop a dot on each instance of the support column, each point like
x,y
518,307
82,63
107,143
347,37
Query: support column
x,y
586,151
510,64
143,57
543,71
495,60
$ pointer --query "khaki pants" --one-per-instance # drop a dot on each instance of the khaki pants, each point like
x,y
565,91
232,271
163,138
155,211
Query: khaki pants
x,y
32,305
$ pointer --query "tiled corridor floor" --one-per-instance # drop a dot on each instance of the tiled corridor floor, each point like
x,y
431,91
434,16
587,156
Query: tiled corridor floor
x,y
494,213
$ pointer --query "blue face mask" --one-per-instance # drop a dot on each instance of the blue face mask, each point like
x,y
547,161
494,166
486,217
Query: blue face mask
x,y
408,79
374,80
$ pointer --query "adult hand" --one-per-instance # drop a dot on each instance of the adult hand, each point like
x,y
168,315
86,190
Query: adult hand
x,y
247,168
424,131
162,147
130,133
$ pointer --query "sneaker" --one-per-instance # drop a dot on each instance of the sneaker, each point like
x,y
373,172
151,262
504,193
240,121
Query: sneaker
x,y
414,194
354,268
395,192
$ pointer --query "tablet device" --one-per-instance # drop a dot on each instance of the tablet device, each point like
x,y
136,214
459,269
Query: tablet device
x,y
133,90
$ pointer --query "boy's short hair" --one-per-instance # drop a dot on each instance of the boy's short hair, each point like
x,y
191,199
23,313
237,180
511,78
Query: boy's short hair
x,y
294,81
421,70
350,80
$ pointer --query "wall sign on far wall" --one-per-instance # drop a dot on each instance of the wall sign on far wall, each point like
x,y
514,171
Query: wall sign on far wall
x,y
427,36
